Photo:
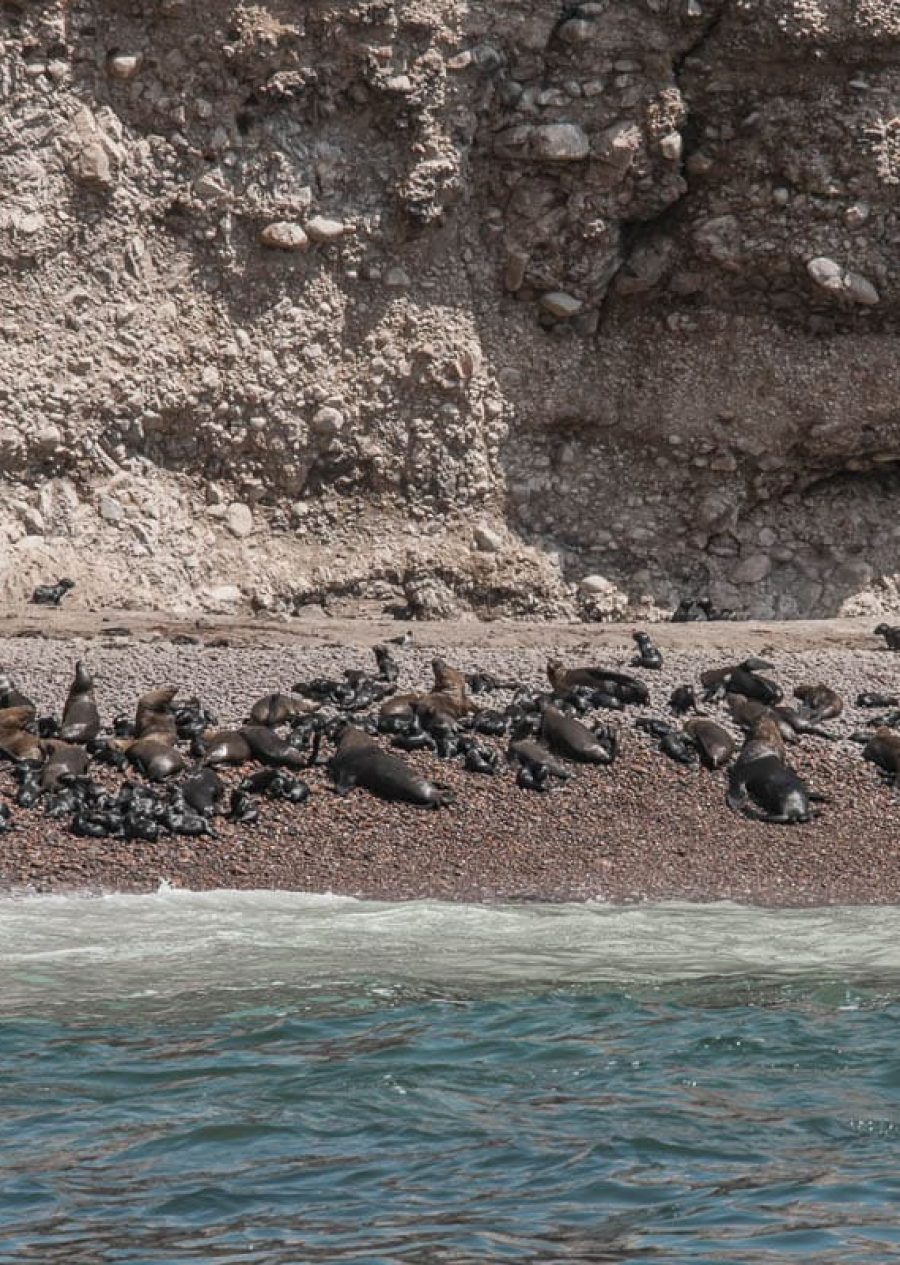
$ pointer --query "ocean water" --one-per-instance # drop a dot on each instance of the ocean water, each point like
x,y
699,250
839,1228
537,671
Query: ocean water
x,y
277,1079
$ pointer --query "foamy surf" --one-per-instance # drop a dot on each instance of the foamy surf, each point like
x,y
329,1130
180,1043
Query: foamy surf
x,y
174,941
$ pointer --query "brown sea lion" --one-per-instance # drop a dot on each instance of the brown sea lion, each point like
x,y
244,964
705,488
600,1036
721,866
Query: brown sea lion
x,y
883,749
277,709
154,757
747,711
81,720
569,738
62,757
154,715
715,744
820,702
223,746
267,747
626,688
359,761
16,742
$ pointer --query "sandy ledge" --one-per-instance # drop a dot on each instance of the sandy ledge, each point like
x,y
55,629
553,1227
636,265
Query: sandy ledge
x,y
647,829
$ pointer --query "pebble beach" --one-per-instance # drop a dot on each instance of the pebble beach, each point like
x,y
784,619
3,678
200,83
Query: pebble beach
x,y
644,829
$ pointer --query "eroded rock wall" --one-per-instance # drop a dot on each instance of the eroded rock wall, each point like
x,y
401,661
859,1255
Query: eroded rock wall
x,y
517,308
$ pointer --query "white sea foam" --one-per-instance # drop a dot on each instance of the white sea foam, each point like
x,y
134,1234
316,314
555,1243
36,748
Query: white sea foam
x,y
62,948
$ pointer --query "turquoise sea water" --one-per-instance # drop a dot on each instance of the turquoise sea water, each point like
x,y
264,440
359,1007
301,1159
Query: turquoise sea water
x,y
273,1078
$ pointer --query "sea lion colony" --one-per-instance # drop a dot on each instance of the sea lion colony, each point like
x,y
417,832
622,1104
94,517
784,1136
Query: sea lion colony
x,y
159,770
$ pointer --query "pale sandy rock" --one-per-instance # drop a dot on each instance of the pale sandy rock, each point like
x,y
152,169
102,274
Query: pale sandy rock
x,y
283,235
239,519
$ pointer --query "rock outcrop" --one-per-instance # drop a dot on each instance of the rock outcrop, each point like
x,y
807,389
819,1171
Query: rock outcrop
x,y
451,305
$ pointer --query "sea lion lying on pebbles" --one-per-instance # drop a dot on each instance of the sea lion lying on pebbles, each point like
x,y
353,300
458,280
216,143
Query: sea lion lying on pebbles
x,y
760,775
359,761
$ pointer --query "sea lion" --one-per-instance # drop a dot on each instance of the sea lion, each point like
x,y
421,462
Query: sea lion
x,y
628,689
16,741
648,656
747,711
81,720
715,744
269,748
277,709
52,594
883,749
222,746
869,699
388,668
154,715
683,699
569,738
62,758
820,702
760,774
891,635
10,696
750,685
202,791
359,761
154,757
534,754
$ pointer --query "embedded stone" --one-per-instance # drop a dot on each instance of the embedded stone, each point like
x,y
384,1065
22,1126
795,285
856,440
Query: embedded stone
x,y
283,235
488,540
860,290
826,273
671,146
328,421
561,305
560,142
322,229
123,65
752,570
239,519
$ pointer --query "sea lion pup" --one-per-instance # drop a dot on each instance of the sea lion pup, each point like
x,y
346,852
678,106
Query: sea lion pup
x,y
222,746
891,635
269,748
683,699
62,758
883,749
761,775
571,739
628,689
388,668
277,709
648,656
819,702
202,791
525,751
154,757
715,744
52,594
359,761
16,741
154,715
81,720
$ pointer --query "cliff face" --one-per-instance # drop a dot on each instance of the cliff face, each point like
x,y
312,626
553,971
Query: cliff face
x,y
452,303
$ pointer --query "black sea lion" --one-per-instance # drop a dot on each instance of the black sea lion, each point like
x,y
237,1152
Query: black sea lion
x,y
359,761
715,744
535,755
52,594
154,714
648,655
81,720
760,774
202,791
569,738
891,635
10,696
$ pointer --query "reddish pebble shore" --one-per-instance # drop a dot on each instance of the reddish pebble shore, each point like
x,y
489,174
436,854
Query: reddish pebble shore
x,y
646,829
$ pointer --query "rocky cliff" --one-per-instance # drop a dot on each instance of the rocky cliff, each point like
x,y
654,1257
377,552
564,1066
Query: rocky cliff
x,y
510,306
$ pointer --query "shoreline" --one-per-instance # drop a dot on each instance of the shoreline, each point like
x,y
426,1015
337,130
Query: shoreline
x,y
646,829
